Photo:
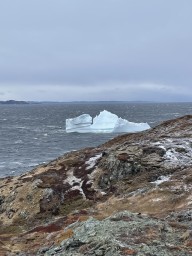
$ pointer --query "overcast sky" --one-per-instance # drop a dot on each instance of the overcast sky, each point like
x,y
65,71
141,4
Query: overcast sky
x,y
58,50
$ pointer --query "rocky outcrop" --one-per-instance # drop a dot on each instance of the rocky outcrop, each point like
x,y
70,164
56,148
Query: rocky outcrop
x,y
130,196
125,233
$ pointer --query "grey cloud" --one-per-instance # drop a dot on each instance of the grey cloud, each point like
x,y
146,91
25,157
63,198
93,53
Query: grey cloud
x,y
88,43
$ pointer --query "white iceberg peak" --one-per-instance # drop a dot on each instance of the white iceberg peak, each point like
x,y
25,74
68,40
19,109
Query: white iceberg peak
x,y
105,122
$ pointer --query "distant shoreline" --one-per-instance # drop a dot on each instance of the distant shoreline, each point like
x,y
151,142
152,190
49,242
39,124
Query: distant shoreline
x,y
13,102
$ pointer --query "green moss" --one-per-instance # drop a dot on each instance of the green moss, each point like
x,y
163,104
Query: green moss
x,y
12,229
76,204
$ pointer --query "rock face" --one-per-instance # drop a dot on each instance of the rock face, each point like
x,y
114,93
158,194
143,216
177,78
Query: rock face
x,y
123,233
130,196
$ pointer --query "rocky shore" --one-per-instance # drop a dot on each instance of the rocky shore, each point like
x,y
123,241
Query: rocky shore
x,y
129,196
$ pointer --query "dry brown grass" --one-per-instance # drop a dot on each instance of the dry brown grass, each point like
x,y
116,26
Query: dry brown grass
x,y
64,235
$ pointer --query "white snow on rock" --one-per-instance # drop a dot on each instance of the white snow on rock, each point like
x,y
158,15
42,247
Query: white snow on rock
x,y
74,182
92,161
77,183
161,179
156,199
171,155
105,122
178,151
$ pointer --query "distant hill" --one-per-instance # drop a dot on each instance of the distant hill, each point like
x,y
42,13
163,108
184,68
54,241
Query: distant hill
x,y
13,102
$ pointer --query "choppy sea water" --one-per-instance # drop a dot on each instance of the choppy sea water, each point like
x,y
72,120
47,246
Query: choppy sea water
x,y
35,133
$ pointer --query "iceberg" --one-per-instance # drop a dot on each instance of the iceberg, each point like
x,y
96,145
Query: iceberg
x,y
105,122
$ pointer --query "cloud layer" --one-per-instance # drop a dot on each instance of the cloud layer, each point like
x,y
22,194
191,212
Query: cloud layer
x,y
102,50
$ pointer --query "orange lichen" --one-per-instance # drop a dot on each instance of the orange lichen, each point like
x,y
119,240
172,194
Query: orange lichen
x,y
128,251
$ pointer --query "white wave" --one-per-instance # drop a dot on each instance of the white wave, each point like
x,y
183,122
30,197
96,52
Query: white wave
x,y
22,127
18,142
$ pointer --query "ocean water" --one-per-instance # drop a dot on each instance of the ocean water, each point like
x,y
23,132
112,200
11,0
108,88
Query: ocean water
x,y
35,133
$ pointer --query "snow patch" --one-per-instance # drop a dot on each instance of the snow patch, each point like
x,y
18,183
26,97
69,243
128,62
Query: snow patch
x,y
102,192
171,155
92,161
156,199
161,179
71,179
74,182
178,151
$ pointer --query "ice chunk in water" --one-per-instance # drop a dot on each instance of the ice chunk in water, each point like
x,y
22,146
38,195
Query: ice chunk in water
x,y
105,122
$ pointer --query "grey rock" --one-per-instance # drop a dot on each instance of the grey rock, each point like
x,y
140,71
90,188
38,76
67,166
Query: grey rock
x,y
2,199
118,232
